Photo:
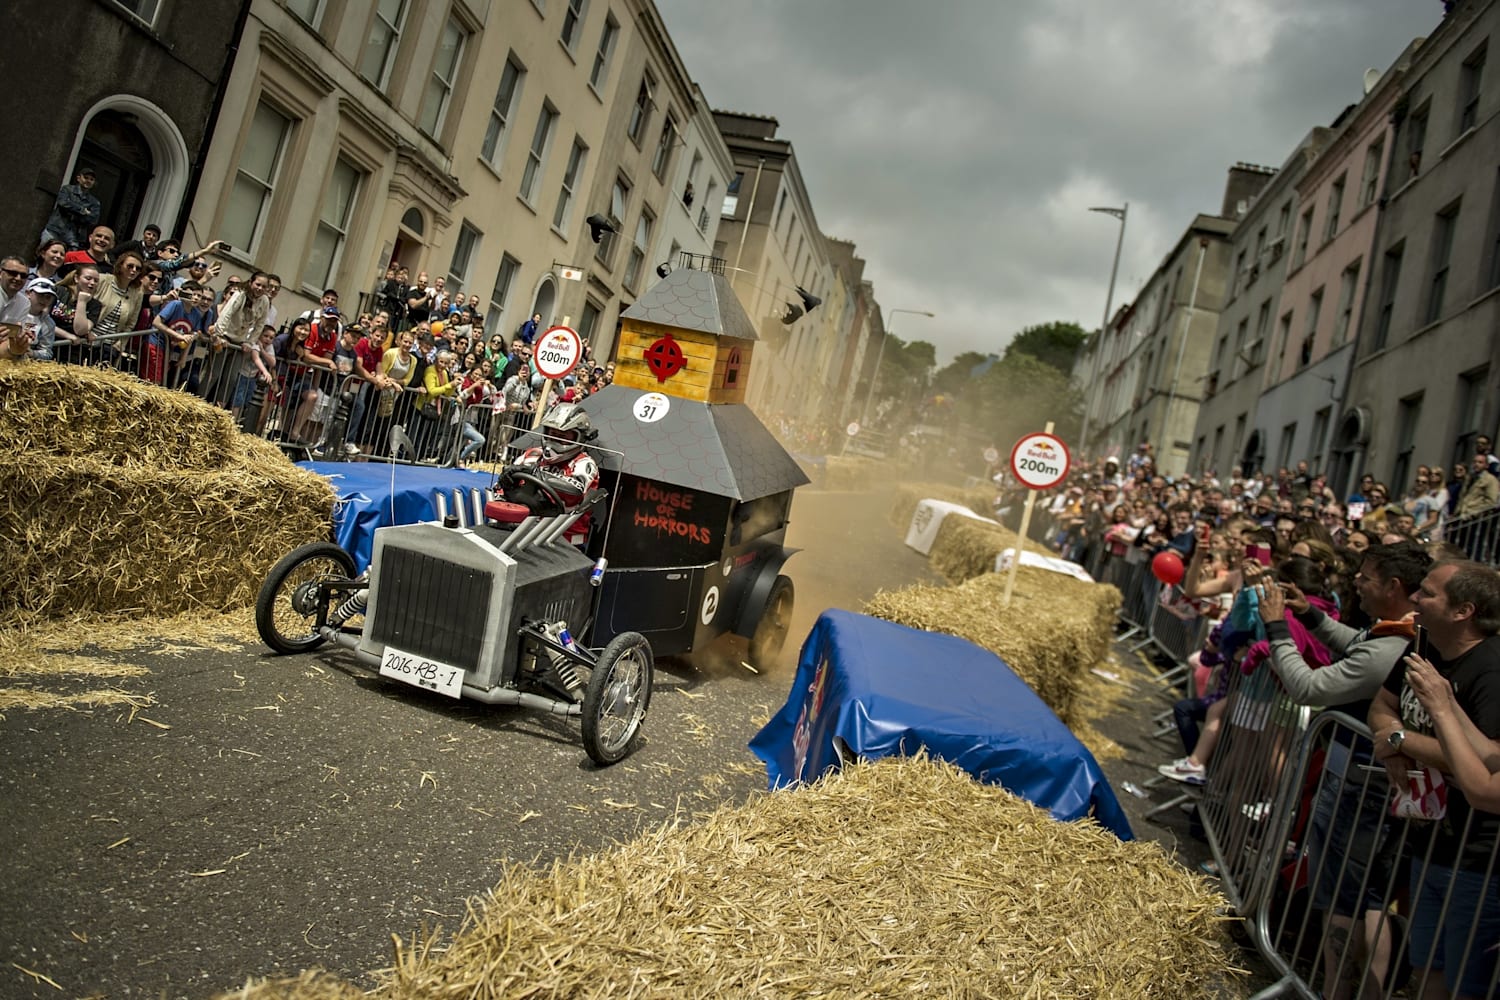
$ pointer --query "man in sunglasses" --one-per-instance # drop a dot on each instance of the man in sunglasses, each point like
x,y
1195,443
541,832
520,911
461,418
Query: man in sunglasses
x,y
13,304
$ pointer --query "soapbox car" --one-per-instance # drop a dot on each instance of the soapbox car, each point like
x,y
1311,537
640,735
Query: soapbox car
x,y
524,612
480,613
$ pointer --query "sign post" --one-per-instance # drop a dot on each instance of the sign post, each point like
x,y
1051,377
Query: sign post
x,y
1039,462
558,351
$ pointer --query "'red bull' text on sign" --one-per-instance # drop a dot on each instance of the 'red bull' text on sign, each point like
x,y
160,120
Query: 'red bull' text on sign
x,y
558,351
1039,461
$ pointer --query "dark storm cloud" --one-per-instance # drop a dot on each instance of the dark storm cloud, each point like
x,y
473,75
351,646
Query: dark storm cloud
x,y
960,143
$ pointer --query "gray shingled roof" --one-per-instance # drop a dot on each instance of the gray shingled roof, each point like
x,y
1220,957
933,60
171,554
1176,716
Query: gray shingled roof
x,y
694,300
720,448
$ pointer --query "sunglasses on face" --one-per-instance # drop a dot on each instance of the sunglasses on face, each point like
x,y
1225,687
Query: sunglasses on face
x,y
15,274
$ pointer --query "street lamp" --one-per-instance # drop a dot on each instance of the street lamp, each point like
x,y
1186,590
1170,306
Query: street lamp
x,y
1090,390
875,375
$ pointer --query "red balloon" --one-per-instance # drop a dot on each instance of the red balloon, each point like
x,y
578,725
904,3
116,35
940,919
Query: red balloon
x,y
1167,567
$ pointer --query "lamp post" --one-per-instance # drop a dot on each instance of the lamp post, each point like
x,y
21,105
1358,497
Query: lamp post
x,y
1090,391
864,418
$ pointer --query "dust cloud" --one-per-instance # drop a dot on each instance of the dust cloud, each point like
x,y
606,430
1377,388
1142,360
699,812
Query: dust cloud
x,y
848,551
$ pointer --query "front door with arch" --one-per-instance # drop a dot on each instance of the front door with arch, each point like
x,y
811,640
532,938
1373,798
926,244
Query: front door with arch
x,y
123,168
140,164
544,301
407,249
1254,454
1349,444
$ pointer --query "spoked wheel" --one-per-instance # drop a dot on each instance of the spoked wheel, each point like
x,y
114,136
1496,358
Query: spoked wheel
x,y
286,610
775,620
614,707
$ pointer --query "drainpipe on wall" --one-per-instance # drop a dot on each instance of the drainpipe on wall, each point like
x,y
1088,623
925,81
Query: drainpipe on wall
x,y
211,126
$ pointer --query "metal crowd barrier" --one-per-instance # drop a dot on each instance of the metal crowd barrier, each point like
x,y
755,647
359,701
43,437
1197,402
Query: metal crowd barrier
x,y
1325,879
498,427
1297,820
135,352
1478,535
310,410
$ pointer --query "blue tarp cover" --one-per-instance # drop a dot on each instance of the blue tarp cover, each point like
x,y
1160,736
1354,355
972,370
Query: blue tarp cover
x,y
886,689
365,498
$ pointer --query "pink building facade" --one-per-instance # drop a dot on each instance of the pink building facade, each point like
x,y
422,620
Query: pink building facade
x,y
1328,264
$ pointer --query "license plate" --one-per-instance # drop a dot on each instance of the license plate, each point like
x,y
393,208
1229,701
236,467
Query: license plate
x,y
421,672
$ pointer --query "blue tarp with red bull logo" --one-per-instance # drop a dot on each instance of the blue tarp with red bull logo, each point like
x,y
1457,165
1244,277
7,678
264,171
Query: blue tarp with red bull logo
x,y
881,689
366,500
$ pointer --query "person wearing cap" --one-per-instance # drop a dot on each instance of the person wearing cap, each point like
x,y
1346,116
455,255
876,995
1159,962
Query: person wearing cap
x,y
315,365
75,211
37,325
329,298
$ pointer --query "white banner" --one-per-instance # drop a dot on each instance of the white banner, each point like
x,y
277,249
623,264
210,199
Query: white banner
x,y
928,518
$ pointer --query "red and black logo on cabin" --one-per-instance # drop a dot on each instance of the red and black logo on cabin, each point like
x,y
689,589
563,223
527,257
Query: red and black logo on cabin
x,y
664,357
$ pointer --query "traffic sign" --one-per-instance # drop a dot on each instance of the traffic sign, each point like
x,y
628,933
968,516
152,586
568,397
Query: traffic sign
x,y
558,352
853,428
1040,461
991,456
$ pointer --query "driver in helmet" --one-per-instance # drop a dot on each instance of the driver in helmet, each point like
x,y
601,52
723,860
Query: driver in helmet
x,y
560,460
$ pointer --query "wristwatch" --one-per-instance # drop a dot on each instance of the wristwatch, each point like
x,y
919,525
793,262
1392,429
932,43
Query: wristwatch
x,y
1397,737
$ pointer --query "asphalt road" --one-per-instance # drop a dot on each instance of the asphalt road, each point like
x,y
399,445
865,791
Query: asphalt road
x,y
281,813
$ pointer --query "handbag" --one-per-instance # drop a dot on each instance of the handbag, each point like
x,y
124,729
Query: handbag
x,y
1425,796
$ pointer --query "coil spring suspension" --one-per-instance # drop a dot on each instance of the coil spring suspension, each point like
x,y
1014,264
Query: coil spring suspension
x,y
568,671
354,604
564,666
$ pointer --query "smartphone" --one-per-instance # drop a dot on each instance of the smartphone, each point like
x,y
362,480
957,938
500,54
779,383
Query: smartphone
x,y
1419,644
1259,553
1356,511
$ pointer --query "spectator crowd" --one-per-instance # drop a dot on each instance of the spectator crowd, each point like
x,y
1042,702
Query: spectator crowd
x,y
1383,606
421,356
1111,514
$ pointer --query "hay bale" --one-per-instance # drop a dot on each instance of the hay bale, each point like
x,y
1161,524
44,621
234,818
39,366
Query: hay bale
x,y
899,877
966,548
108,417
189,522
1056,629
852,472
906,496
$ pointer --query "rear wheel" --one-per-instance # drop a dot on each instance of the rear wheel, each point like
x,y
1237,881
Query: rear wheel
x,y
286,610
775,620
619,692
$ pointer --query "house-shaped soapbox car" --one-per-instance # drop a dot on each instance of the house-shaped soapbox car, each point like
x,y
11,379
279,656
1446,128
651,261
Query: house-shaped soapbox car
x,y
684,543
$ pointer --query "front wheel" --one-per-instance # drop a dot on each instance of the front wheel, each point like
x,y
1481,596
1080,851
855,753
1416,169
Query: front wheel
x,y
619,692
775,620
286,610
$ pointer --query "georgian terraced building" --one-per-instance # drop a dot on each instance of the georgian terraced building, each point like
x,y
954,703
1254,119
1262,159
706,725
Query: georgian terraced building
x,y
470,139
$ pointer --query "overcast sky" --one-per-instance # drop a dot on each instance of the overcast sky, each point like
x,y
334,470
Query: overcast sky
x,y
960,143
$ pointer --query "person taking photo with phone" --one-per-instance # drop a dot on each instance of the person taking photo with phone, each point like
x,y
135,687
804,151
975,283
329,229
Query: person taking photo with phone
x,y
1441,711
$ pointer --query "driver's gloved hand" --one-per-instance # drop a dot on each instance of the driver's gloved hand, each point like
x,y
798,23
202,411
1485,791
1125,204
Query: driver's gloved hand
x,y
560,483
